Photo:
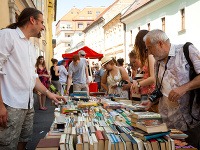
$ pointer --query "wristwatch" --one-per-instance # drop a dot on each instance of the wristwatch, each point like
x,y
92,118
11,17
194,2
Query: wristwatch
x,y
138,85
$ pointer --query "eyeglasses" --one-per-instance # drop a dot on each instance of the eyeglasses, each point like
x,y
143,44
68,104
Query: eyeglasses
x,y
41,21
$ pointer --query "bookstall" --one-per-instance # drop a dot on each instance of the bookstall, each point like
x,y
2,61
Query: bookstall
x,y
97,123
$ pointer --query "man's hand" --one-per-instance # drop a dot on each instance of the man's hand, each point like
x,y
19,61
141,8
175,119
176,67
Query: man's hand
x,y
3,116
147,104
176,93
56,97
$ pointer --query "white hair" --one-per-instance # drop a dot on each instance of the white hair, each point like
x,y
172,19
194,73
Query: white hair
x,y
156,35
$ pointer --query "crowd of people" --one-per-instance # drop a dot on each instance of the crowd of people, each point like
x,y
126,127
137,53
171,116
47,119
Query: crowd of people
x,y
157,75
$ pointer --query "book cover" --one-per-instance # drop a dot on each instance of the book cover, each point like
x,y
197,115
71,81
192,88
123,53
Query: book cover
x,y
177,134
152,128
106,140
100,139
85,141
62,142
127,141
95,141
154,144
147,136
139,142
133,141
48,144
111,144
162,144
79,144
140,115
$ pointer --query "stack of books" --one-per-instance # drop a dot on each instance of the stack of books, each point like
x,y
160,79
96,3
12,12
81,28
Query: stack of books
x,y
178,138
103,128
150,128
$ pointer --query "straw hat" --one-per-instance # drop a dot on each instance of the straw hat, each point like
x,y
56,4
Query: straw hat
x,y
105,60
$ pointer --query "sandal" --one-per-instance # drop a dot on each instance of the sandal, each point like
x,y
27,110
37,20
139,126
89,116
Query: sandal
x,y
43,108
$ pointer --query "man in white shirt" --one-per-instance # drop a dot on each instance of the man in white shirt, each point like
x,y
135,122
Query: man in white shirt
x,y
18,79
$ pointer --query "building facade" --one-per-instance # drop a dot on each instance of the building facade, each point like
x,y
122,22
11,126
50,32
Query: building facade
x,y
69,35
175,17
108,31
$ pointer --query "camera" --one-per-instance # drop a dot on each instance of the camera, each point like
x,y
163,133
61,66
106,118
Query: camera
x,y
121,83
156,94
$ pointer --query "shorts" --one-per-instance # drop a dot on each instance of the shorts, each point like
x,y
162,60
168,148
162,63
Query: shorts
x,y
19,128
80,87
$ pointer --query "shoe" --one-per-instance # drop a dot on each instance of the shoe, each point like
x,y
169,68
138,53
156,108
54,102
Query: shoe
x,y
43,108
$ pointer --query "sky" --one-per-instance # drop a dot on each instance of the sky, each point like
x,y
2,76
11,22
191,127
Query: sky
x,y
63,6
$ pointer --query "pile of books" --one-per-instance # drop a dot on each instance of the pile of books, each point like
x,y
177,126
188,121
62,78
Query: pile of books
x,y
178,138
150,128
112,126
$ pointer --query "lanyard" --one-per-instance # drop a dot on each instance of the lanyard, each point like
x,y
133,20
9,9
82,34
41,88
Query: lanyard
x,y
162,75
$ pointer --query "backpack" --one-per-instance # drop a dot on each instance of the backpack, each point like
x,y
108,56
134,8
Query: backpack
x,y
194,94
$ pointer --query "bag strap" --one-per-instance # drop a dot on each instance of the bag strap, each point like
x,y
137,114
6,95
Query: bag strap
x,y
192,74
186,53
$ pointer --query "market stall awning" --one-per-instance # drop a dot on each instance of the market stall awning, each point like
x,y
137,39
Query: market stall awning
x,y
89,53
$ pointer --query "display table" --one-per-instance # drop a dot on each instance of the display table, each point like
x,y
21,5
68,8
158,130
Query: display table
x,y
101,124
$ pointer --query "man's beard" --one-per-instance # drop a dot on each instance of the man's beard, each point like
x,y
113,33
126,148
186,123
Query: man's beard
x,y
39,35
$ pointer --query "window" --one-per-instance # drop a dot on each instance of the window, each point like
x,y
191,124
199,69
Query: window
x,y
163,23
182,19
68,26
131,35
80,25
149,26
97,13
67,35
67,44
90,12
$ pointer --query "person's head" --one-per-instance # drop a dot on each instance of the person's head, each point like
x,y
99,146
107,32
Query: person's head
x,y
81,53
140,47
40,61
134,61
96,66
158,44
54,61
120,62
63,62
31,18
108,62
76,59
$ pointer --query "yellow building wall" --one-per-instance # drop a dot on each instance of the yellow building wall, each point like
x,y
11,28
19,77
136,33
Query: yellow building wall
x,y
4,11
49,35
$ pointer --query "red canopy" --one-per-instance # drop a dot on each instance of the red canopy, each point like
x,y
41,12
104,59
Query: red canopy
x,y
89,53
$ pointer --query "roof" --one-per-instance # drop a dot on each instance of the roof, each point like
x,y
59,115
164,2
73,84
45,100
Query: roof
x,y
71,14
85,15
89,53
99,18
135,6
